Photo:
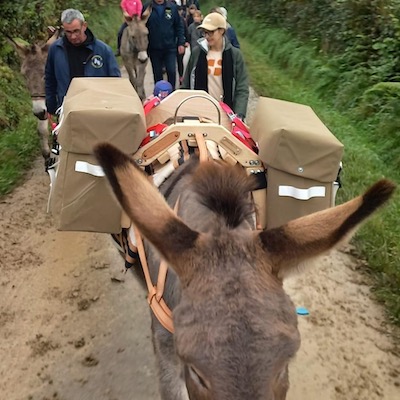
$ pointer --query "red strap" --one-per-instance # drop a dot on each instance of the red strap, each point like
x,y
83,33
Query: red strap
x,y
52,124
239,128
150,104
235,119
156,130
241,125
249,142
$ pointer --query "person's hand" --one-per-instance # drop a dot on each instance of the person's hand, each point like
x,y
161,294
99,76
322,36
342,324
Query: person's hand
x,y
181,49
51,30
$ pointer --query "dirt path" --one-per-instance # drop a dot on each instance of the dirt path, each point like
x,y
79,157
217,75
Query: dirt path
x,y
70,329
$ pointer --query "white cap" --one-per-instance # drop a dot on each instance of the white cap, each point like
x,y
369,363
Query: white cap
x,y
224,12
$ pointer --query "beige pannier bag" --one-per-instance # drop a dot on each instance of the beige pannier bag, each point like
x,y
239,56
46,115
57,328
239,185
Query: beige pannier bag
x,y
94,110
302,158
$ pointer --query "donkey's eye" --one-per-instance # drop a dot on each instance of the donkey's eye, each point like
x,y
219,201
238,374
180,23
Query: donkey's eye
x,y
198,378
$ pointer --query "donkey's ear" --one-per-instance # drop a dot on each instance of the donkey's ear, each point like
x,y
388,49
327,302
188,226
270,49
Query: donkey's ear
x,y
21,48
147,12
315,234
54,33
145,205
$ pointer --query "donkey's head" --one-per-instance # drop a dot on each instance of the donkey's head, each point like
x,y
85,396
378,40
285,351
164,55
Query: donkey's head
x,y
235,328
33,60
139,35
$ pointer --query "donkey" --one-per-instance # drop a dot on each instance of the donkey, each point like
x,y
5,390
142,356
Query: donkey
x,y
235,327
134,43
33,60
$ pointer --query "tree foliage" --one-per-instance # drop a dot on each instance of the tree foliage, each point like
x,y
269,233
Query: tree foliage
x,y
27,18
361,37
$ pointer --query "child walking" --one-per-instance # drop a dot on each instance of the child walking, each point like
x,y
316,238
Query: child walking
x,y
194,34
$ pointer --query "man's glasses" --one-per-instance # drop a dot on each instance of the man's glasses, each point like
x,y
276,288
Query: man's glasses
x,y
74,32
207,33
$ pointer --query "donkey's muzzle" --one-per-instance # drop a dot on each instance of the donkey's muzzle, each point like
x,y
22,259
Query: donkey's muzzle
x,y
142,56
39,108
42,115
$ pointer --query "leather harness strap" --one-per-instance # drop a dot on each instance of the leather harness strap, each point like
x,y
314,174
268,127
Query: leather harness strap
x,y
201,144
155,296
156,302
38,95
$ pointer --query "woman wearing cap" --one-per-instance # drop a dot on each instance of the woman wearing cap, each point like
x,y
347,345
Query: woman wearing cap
x,y
217,67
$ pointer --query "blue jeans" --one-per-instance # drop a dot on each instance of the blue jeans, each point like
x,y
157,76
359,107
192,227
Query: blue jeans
x,y
164,58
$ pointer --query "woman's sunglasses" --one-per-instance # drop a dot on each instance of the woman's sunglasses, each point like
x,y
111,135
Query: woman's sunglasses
x,y
207,33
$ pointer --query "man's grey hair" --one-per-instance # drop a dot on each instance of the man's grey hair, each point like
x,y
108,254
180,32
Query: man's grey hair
x,y
67,16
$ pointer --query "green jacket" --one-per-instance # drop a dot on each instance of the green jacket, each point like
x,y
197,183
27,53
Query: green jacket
x,y
240,81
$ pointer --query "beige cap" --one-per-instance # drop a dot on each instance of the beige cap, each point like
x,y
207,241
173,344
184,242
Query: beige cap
x,y
212,22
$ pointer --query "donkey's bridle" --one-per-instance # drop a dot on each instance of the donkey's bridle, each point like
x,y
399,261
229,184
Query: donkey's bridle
x,y
157,304
35,96
155,296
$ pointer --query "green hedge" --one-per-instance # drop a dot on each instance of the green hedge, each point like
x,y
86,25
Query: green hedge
x,y
27,18
284,66
382,98
361,37
27,21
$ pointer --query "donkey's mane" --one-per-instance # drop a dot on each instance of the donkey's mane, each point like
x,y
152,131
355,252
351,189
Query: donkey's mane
x,y
224,189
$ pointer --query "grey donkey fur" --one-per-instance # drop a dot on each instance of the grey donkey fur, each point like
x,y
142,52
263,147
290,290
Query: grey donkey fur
x,y
235,327
134,43
33,60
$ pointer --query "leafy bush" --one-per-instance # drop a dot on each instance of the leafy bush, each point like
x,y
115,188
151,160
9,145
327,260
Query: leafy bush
x,y
284,66
361,37
27,18
384,97
380,105
27,21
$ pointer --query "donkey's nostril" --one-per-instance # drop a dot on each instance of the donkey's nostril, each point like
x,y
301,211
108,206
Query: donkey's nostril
x,y
40,114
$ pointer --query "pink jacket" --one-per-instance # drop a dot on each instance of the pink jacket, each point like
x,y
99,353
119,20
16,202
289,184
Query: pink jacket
x,y
132,7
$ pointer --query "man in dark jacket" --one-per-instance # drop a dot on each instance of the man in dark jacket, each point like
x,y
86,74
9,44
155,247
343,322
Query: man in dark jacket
x,y
166,38
77,54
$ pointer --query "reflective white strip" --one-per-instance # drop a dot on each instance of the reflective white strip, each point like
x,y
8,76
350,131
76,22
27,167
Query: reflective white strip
x,y
335,188
52,175
60,113
87,168
302,194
